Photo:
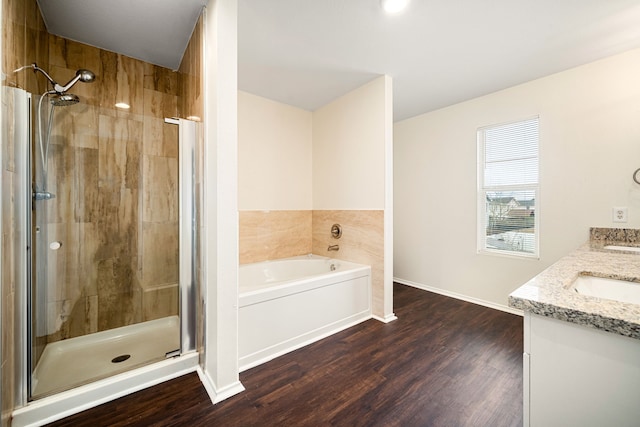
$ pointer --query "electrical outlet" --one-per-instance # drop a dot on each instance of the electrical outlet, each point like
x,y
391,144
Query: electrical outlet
x,y
620,214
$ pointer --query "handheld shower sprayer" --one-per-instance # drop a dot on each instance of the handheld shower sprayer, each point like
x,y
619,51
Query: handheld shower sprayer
x,y
82,75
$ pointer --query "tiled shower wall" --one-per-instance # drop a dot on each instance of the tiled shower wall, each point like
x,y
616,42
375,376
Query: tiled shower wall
x,y
269,235
114,181
114,174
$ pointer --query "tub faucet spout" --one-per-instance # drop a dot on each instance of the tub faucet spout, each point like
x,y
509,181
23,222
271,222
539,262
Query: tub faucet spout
x,y
333,248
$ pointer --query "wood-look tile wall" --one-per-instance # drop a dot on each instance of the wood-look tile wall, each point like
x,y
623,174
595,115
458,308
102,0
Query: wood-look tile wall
x,y
114,174
190,100
25,41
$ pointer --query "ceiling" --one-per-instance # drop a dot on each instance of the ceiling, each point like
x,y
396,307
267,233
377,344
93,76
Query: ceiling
x,y
308,52
155,31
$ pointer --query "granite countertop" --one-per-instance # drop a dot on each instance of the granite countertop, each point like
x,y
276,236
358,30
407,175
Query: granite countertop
x,y
549,293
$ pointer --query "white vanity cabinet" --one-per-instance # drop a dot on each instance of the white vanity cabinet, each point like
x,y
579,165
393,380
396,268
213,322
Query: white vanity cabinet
x,y
579,376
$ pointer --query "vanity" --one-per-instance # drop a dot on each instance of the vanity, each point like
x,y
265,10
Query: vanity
x,y
582,335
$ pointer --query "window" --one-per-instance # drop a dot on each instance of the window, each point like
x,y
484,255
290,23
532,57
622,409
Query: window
x,y
508,188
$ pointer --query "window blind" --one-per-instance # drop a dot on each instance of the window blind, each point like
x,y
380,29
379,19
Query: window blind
x,y
511,154
508,187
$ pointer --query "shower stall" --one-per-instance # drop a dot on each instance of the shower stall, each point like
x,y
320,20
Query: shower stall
x,y
107,214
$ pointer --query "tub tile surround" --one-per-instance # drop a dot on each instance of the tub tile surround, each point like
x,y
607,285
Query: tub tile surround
x,y
269,235
362,242
548,294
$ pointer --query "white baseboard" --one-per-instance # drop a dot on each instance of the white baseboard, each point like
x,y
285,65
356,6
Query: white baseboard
x,y
218,394
462,297
386,319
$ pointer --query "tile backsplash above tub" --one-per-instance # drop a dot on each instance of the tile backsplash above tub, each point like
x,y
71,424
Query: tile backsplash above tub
x,y
267,235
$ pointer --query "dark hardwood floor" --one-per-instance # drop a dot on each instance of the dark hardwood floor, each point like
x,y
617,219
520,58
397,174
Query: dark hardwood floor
x,y
444,362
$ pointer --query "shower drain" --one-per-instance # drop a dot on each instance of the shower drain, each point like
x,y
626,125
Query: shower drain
x,y
120,358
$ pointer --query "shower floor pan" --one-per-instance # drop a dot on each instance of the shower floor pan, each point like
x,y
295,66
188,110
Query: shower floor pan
x,y
77,361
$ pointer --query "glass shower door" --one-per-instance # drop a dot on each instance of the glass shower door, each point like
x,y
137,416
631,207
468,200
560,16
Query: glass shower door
x,y
106,236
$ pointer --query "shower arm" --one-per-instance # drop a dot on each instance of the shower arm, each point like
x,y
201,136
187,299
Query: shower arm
x,y
36,68
57,88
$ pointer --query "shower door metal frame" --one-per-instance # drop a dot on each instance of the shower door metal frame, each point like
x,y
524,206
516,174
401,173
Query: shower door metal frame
x,y
22,240
187,135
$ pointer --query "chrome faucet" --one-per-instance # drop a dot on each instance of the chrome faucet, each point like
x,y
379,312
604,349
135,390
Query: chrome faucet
x,y
333,248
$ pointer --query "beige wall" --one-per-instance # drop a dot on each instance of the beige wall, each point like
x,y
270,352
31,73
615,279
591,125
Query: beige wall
x,y
300,172
275,147
349,174
349,150
589,148
274,179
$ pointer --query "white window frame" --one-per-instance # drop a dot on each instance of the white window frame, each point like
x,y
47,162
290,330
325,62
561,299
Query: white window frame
x,y
482,191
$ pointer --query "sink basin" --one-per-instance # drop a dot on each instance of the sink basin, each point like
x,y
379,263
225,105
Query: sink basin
x,y
611,289
623,248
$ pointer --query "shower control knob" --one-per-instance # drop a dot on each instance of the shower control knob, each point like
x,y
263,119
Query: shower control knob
x,y
336,231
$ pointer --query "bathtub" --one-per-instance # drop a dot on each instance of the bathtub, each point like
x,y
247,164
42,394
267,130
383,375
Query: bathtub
x,y
288,303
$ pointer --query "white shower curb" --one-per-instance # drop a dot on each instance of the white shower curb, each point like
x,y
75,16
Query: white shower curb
x,y
64,404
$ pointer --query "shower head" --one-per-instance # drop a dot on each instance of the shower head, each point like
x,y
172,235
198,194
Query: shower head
x,y
64,99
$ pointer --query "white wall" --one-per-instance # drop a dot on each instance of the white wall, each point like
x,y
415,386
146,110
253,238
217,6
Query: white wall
x,y
589,148
220,201
349,149
274,155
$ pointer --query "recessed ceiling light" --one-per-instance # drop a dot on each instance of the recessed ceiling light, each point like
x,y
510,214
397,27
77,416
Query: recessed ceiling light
x,y
123,105
394,6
